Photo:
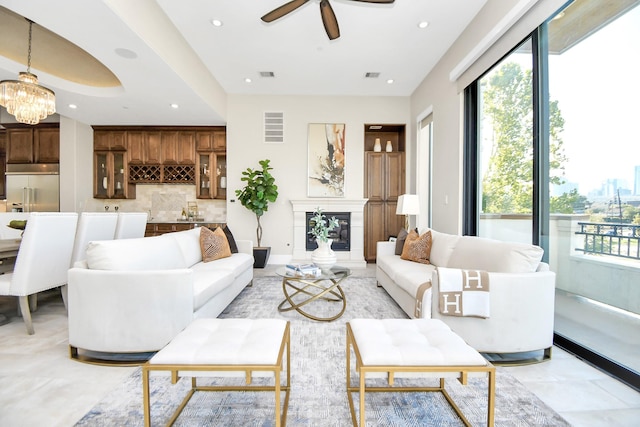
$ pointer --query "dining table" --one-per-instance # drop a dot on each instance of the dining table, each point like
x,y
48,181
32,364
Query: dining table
x,y
8,253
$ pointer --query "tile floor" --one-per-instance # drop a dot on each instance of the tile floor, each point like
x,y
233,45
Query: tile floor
x,y
41,386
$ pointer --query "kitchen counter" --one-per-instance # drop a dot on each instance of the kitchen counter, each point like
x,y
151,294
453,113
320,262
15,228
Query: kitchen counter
x,y
156,228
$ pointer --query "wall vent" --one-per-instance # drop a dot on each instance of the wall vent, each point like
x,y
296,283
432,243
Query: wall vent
x,y
267,74
273,127
372,75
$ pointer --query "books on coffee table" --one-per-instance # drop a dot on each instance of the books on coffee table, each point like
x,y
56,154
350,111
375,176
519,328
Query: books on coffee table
x,y
303,270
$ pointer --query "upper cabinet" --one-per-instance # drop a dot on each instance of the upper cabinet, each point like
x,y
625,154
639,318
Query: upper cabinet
x,y
155,154
35,144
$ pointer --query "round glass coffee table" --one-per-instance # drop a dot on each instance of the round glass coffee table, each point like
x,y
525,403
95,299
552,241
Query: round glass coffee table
x,y
301,292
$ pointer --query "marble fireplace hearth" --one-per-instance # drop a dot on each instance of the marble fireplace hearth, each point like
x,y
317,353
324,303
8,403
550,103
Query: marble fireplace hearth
x,y
354,258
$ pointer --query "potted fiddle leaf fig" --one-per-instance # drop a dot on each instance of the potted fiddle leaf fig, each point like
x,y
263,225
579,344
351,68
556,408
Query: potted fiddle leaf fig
x,y
260,190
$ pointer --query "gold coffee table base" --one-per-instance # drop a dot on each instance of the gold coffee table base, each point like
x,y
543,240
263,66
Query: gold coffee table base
x,y
326,287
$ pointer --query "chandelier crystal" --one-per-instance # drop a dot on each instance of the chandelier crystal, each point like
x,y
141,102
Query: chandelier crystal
x,y
25,98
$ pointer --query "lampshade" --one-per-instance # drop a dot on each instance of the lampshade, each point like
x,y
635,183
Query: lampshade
x,y
408,204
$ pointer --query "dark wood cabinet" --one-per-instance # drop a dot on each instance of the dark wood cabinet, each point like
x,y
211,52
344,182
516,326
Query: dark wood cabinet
x,y
33,144
178,148
144,147
158,228
215,140
384,182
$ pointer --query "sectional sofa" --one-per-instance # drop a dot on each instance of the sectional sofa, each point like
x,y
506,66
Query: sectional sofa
x,y
135,295
521,296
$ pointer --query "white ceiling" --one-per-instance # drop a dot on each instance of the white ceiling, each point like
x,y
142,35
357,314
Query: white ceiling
x,y
182,58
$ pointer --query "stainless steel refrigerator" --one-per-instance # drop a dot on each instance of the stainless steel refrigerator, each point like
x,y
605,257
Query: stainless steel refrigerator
x,y
33,187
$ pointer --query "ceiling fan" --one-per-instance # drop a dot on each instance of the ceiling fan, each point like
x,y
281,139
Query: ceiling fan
x,y
328,16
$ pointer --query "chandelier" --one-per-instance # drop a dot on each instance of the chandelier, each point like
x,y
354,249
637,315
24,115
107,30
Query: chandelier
x,y
25,98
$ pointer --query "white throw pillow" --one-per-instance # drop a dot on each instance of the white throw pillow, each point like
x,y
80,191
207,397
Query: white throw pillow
x,y
480,253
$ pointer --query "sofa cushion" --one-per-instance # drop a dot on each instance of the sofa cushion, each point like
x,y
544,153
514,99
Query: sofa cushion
x,y
442,246
236,263
144,253
480,253
402,237
232,241
189,243
214,244
417,248
207,284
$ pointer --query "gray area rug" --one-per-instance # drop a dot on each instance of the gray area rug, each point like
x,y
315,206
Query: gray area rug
x,y
318,384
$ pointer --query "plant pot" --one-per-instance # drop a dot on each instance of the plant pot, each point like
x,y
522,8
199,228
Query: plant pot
x,y
261,256
324,257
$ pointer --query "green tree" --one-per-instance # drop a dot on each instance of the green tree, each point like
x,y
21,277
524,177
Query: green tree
x,y
508,112
568,203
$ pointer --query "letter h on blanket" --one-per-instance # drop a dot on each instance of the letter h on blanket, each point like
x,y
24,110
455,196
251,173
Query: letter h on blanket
x,y
463,292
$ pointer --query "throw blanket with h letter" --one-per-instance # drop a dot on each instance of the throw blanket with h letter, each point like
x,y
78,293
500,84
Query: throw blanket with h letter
x,y
463,292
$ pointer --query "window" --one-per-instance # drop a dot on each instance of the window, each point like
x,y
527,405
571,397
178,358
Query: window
x,y
552,157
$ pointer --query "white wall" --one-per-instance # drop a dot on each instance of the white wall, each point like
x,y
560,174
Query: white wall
x,y
245,147
446,100
76,165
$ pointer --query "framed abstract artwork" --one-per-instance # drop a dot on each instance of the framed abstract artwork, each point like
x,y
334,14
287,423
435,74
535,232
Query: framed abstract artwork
x,y
326,163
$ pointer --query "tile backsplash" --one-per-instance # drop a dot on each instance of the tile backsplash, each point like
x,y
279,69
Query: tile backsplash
x,y
163,202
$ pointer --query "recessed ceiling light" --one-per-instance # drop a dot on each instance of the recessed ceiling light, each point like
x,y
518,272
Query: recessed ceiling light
x,y
216,23
73,106
174,106
423,24
125,53
390,81
247,80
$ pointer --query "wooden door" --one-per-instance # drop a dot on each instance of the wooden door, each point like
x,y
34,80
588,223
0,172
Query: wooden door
x,y
374,176
186,154
135,147
394,176
375,214
169,148
152,147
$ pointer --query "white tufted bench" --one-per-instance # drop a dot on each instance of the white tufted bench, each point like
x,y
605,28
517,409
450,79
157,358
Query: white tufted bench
x,y
225,347
412,348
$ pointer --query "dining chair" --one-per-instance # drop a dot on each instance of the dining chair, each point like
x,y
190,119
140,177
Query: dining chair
x,y
92,226
43,259
131,225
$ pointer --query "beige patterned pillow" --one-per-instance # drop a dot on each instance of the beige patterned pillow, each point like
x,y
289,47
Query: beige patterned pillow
x,y
213,244
417,248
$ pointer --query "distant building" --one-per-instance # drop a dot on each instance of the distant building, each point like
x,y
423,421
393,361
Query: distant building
x,y
636,180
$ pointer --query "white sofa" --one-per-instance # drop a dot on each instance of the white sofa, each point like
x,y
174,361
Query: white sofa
x,y
135,295
522,290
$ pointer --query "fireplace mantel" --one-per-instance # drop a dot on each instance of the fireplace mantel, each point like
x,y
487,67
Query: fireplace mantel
x,y
353,258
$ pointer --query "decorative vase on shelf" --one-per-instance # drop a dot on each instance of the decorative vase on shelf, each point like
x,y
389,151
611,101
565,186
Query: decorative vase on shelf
x,y
377,147
389,147
324,257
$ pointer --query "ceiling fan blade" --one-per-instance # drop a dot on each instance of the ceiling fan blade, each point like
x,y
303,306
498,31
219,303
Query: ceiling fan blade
x,y
329,20
375,1
279,12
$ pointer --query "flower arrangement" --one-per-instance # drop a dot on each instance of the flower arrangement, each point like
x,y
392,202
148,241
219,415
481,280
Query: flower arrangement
x,y
322,226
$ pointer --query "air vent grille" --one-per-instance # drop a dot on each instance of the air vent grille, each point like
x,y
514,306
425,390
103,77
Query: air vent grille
x,y
372,75
267,74
273,127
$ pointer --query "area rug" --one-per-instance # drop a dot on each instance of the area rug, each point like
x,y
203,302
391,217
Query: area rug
x,y
318,384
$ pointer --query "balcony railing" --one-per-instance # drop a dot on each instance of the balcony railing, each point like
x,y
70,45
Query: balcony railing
x,y
619,240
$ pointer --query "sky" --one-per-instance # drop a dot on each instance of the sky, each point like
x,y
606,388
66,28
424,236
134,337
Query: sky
x,y
596,84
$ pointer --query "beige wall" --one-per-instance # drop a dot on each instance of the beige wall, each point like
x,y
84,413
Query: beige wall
x,y
245,147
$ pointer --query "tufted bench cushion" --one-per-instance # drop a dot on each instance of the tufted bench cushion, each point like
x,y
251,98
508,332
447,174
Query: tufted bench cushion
x,y
225,342
226,347
411,348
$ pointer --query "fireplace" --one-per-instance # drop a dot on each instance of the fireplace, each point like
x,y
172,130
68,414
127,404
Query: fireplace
x,y
351,256
340,235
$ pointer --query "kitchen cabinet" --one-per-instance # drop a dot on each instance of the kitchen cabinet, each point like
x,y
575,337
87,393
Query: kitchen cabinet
x,y
110,176
144,147
178,147
384,182
33,144
158,228
211,177
215,140
107,140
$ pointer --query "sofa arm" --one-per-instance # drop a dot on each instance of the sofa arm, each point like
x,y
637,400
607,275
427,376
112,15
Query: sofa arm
x,y
128,311
245,246
522,314
385,248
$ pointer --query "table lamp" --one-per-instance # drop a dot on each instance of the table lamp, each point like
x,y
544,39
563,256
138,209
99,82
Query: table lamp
x,y
408,204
